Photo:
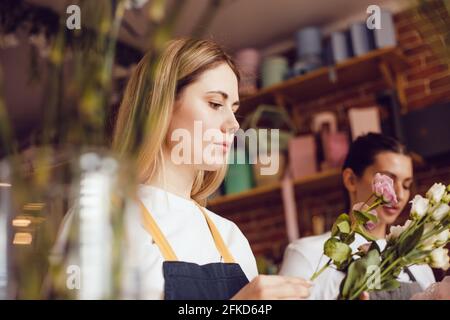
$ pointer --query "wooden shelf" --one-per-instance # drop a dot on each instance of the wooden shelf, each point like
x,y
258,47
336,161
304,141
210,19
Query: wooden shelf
x,y
321,180
305,184
386,64
353,71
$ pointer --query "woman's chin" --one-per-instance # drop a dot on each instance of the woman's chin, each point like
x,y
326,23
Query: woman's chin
x,y
388,215
211,166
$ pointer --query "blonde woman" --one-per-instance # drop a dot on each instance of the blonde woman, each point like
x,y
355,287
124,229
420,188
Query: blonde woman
x,y
184,250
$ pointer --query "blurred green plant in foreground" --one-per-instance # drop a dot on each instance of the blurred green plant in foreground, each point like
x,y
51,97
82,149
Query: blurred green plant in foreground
x,y
71,155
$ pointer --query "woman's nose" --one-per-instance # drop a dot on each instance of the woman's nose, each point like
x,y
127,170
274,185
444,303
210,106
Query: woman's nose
x,y
231,125
399,192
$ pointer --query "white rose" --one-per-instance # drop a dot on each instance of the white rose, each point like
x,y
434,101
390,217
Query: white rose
x,y
429,227
436,192
419,206
440,212
436,240
439,258
428,244
442,237
396,231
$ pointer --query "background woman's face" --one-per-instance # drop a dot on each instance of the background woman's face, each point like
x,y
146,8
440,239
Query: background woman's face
x,y
204,115
397,166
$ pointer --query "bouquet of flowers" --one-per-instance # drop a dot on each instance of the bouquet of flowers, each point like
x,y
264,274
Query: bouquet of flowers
x,y
421,240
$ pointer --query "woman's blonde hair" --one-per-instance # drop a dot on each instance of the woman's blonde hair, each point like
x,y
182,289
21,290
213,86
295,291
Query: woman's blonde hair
x,y
181,63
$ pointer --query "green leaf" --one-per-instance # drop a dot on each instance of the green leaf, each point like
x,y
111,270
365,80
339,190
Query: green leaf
x,y
347,238
418,254
410,241
357,274
344,227
363,217
395,273
344,265
337,250
389,285
360,217
340,225
362,231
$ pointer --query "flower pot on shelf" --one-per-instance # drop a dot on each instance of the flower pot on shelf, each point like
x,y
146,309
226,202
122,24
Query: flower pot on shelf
x,y
302,156
277,162
239,176
267,152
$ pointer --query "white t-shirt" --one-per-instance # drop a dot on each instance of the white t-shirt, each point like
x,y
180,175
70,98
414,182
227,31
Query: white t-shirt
x,y
304,256
186,230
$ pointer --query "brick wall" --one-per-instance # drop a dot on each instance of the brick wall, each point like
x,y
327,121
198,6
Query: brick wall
x,y
428,82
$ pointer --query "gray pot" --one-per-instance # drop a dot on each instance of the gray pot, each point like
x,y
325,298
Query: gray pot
x,y
273,70
385,36
360,38
309,42
339,47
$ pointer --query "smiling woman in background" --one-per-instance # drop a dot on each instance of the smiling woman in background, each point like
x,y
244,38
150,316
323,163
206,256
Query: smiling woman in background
x,y
368,155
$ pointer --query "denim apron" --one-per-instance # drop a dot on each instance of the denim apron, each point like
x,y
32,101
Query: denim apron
x,y
190,281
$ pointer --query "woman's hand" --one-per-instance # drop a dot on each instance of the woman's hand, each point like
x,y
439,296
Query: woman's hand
x,y
364,296
265,287
436,291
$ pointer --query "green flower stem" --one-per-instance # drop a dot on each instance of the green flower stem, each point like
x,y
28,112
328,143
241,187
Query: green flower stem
x,y
374,205
414,225
385,260
317,273
392,265
364,286
383,273
359,291
368,199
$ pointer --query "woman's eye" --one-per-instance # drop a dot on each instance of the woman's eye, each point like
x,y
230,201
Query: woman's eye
x,y
215,105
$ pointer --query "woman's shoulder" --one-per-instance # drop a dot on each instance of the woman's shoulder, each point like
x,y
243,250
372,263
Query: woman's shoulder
x,y
303,255
310,244
227,228
237,243
424,275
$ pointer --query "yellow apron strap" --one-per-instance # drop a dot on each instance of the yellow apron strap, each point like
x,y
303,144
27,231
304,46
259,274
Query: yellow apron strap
x,y
220,244
164,246
161,241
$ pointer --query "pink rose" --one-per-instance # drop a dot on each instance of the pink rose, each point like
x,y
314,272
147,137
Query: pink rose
x,y
383,187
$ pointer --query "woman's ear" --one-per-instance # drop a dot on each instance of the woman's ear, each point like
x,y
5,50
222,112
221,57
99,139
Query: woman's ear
x,y
349,179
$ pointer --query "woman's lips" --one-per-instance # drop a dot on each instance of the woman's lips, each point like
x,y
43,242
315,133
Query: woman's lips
x,y
224,145
391,210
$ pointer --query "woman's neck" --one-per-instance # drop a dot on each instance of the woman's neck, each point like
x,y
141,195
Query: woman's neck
x,y
174,178
379,231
